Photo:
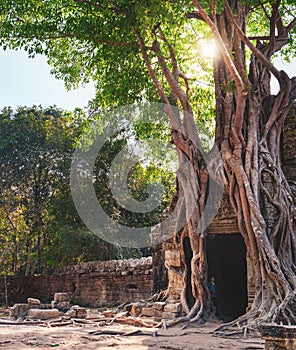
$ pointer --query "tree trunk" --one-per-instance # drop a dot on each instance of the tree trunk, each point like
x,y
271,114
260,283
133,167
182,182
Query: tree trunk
x,y
258,190
249,123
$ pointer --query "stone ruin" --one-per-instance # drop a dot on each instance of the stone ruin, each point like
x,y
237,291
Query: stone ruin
x,y
94,283
278,337
158,310
146,313
35,310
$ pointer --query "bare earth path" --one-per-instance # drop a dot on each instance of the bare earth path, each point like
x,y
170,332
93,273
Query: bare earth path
x,y
75,337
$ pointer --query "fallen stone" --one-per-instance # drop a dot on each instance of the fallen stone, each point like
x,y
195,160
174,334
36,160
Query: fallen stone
x,y
159,305
63,306
77,312
71,313
81,313
19,310
168,315
33,301
149,312
43,314
108,313
174,307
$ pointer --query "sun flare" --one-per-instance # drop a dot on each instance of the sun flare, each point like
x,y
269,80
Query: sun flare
x,y
208,49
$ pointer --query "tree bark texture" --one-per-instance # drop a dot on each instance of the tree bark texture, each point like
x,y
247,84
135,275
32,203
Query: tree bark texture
x,y
258,190
249,123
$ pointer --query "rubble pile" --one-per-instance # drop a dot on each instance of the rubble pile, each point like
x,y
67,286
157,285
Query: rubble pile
x,y
59,312
60,306
157,310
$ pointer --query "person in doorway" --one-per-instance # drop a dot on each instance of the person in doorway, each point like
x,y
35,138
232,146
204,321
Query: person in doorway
x,y
213,294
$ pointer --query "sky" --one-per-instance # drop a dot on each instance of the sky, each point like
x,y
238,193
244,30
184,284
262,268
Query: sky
x,y
27,82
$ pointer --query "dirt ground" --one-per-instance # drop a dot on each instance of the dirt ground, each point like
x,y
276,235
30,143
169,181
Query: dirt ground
x,y
79,337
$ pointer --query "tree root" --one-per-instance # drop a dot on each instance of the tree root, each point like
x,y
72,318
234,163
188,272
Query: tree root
x,y
161,296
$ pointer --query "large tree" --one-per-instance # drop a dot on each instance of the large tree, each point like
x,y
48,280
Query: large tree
x,y
140,49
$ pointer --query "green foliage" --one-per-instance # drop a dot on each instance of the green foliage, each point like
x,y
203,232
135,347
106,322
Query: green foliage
x,y
70,247
40,229
150,168
259,23
35,155
86,40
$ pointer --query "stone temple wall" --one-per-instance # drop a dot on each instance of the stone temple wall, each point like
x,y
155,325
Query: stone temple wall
x,y
95,283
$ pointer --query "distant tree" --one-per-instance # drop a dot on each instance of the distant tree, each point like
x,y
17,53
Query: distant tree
x,y
35,154
40,229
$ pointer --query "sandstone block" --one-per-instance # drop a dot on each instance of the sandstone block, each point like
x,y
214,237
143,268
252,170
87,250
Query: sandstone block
x,y
174,307
81,313
149,312
61,306
43,314
71,313
173,257
168,315
108,313
280,344
19,310
159,305
33,301
279,337
158,313
77,312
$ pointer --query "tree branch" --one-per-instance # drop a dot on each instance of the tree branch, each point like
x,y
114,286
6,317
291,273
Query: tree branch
x,y
273,20
170,76
291,25
188,122
194,14
214,11
264,10
254,50
175,120
226,56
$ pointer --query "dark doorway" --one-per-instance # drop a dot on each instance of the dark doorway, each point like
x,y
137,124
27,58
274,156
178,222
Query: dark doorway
x,y
226,256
